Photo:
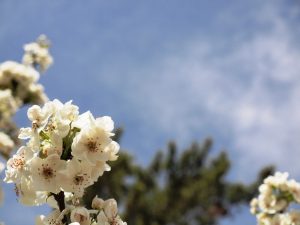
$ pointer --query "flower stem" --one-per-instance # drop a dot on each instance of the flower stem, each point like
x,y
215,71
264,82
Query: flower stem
x,y
67,143
60,199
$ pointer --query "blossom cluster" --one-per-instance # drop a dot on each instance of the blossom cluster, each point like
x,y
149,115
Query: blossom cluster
x,y
102,213
21,81
6,144
19,86
66,152
276,194
37,53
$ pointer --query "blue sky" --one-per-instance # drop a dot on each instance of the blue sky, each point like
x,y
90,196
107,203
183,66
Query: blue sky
x,y
180,70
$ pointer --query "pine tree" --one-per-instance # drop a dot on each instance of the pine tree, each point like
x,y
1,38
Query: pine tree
x,y
176,188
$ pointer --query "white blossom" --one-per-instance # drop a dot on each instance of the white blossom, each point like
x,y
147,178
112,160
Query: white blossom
x,y
113,149
91,142
16,166
38,116
46,173
77,177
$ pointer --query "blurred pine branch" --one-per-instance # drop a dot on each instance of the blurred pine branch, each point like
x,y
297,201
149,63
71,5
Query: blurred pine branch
x,y
176,188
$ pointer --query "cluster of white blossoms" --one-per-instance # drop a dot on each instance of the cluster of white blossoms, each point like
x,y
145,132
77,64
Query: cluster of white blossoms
x,y
21,81
8,105
37,53
19,86
65,153
102,213
272,206
6,144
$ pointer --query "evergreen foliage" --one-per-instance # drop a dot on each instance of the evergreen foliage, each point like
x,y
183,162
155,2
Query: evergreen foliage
x,y
182,188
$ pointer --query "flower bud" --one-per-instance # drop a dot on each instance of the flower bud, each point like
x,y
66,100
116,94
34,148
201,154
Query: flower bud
x,y
97,203
110,208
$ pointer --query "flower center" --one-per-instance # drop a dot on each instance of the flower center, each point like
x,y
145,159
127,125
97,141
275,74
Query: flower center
x,y
92,146
48,172
51,126
78,179
17,163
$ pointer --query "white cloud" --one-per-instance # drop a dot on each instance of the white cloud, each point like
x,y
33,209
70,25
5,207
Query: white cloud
x,y
266,119
251,92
